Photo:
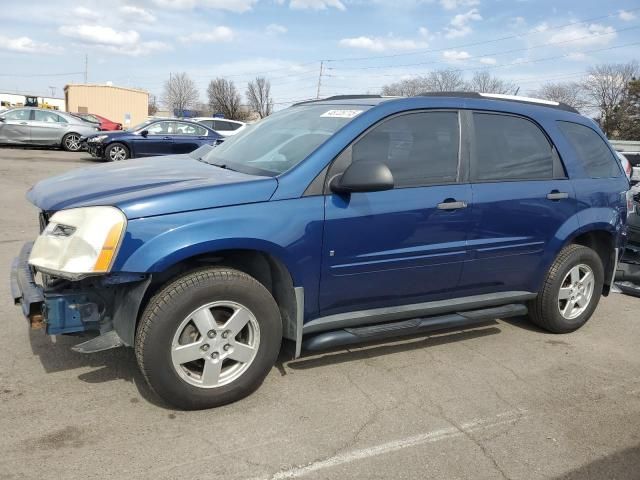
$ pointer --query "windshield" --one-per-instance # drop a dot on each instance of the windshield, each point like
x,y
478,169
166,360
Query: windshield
x,y
281,141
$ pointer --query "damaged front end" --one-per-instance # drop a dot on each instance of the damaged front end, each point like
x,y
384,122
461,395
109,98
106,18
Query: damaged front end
x,y
105,304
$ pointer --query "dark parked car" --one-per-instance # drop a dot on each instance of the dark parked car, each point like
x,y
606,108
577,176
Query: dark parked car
x,y
151,138
330,223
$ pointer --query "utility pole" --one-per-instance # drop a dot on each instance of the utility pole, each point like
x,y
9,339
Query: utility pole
x,y
53,91
86,67
320,78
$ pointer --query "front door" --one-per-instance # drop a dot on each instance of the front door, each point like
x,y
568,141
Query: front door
x,y
521,199
401,246
16,128
158,141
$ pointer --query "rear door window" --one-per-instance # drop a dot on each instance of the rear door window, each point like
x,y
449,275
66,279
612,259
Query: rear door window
x,y
507,147
594,154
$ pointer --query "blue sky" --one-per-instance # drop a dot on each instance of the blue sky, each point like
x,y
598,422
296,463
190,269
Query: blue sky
x,y
365,43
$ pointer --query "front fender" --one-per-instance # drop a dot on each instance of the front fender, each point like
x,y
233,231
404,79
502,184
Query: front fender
x,y
290,230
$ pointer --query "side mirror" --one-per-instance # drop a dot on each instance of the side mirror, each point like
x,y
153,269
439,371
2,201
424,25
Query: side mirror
x,y
2,119
363,177
144,133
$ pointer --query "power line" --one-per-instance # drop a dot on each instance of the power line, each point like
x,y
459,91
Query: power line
x,y
515,50
482,42
40,74
524,62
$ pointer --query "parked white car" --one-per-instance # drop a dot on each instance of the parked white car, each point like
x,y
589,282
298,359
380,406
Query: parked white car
x,y
223,126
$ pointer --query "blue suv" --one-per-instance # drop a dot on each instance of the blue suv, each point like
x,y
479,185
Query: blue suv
x,y
330,223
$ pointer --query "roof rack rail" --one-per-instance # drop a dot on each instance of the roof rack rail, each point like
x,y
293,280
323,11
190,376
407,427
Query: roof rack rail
x,y
338,97
500,96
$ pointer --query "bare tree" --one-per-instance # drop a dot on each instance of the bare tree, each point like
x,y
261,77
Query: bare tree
x,y
569,93
605,88
180,93
436,81
444,81
405,88
259,96
153,106
224,98
484,82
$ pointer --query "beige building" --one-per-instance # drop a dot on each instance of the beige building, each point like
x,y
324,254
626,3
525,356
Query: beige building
x,y
124,105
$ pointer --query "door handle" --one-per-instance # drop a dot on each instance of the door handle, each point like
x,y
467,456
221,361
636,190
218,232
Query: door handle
x,y
451,205
24,123
166,138
556,195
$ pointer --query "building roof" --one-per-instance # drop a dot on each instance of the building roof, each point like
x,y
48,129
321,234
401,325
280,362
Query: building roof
x,y
104,85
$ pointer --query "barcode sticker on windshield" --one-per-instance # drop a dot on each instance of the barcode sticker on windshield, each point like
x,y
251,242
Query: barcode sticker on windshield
x,y
341,113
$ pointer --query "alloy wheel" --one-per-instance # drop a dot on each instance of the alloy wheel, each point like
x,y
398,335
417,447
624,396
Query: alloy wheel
x,y
117,153
215,344
72,142
576,291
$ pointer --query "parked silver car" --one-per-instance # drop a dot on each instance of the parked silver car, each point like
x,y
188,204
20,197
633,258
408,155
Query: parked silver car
x,y
37,126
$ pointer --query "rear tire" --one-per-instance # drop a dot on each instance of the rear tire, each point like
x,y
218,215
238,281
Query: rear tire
x,y
208,338
570,292
116,152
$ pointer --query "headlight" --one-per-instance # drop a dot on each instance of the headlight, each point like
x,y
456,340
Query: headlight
x,y
97,138
79,242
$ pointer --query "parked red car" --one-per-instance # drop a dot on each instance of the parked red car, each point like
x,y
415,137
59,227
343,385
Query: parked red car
x,y
104,123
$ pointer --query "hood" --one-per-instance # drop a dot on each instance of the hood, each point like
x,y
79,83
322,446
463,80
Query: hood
x,y
152,186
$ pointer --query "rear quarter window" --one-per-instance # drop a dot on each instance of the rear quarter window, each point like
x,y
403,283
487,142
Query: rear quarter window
x,y
593,153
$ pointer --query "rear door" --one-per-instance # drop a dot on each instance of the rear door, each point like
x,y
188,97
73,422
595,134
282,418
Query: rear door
x,y
47,127
188,137
405,245
521,198
16,128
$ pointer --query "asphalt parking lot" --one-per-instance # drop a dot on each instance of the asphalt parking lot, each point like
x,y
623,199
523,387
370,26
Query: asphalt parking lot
x,y
503,400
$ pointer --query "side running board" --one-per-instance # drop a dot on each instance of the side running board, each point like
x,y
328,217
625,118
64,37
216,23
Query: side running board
x,y
351,336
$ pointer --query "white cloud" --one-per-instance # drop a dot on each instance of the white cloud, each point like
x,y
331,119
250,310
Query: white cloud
x,y
455,55
424,32
626,16
316,4
577,56
459,25
137,13
541,27
86,13
238,6
583,35
381,44
517,22
275,29
453,4
126,42
26,45
100,35
488,61
215,35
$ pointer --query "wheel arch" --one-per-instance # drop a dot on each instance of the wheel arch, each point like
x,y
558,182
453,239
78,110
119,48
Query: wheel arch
x,y
601,239
265,267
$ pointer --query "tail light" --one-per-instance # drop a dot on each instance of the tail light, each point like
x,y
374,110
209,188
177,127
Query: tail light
x,y
631,204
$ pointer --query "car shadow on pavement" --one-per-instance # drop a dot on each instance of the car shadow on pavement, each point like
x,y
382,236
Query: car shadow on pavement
x,y
621,465
381,348
55,355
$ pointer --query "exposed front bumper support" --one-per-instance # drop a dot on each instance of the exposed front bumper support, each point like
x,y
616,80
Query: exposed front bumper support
x,y
24,289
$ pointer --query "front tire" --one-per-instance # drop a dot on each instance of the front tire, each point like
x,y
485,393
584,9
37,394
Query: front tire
x,y
571,291
71,142
116,152
208,338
